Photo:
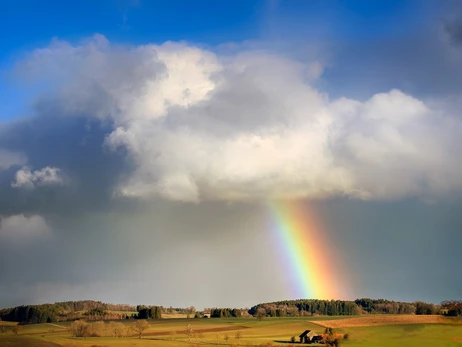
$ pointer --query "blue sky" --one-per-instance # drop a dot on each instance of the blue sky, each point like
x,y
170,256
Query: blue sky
x,y
212,22
34,24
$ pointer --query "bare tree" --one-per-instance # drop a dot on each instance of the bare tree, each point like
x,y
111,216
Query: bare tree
x,y
96,329
189,331
261,313
117,329
238,336
173,333
79,328
140,326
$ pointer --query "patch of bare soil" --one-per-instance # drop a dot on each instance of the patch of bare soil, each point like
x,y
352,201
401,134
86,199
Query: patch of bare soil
x,y
204,330
382,320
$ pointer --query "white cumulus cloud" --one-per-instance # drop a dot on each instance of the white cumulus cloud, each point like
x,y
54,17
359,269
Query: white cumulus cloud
x,y
26,178
199,126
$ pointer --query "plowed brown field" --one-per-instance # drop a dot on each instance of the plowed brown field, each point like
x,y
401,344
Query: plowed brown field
x,y
383,320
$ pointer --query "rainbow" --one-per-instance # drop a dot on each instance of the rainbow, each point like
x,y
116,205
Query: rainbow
x,y
308,258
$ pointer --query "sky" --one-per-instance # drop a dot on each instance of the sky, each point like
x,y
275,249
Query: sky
x,y
142,142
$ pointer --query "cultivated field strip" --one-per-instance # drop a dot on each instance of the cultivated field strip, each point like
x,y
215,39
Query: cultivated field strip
x,y
200,330
384,320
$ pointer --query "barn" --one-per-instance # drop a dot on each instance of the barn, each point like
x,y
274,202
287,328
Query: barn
x,y
309,336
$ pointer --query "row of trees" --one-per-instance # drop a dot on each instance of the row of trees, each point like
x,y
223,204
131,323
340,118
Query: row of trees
x,y
120,307
72,310
49,313
225,312
30,314
385,306
181,310
292,308
97,310
452,307
423,308
87,305
149,312
81,328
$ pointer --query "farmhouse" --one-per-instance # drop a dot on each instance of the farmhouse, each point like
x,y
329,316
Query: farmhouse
x,y
309,336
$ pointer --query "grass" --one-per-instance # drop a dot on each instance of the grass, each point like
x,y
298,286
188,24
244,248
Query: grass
x,y
415,335
212,332
124,312
7,324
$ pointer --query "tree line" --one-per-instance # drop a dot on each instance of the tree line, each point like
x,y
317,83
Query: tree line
x,y
72,310
310,307
148,312
97,310
452,308
81,328
225,312
305,307
66,311
30,314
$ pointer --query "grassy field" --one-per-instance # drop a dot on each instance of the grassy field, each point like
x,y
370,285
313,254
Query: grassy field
x,y
406,331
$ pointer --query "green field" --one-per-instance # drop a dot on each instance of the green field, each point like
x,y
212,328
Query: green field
x,y
212,332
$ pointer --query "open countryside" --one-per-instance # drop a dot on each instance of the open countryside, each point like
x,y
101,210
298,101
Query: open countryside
x,y
246,332
147,326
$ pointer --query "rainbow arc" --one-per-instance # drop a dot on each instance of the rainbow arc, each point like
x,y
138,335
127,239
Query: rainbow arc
x,y
307,251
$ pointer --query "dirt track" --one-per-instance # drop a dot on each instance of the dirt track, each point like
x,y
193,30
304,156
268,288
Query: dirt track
x,y
57,326
383,320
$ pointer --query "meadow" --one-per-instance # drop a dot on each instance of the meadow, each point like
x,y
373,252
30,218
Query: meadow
x,y
409,331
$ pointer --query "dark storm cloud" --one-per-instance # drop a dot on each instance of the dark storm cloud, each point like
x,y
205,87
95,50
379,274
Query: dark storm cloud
x,y
121,255
406,250
72,144
454,30
421,63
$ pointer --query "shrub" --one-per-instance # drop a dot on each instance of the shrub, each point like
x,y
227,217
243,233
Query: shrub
x,y
117,329
97,329
79,329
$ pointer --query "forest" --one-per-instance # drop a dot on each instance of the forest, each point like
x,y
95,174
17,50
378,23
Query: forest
x,y
68,310
309,307
97,310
